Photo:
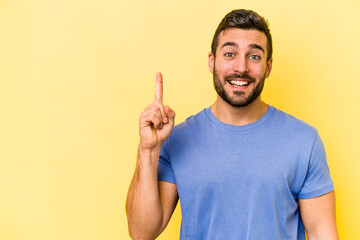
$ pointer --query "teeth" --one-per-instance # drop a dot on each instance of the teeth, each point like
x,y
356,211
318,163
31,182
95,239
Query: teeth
x,y
239,83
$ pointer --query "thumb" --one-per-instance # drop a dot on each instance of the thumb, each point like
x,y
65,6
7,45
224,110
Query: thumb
x,y
170,113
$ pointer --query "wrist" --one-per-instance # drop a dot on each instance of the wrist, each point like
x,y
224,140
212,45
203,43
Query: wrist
x,y
148,155
149,150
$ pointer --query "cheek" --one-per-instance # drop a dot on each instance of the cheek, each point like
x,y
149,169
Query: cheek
x,y
259,70
223,67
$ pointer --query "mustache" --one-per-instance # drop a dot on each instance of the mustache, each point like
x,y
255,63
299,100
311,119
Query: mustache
x,y
242,76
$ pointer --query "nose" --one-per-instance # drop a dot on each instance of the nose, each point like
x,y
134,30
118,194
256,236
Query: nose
x,y
240,65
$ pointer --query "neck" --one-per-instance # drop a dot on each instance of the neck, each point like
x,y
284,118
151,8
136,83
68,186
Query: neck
x,y
238,116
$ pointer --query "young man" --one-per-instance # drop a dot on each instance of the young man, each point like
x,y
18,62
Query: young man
x,y
242,169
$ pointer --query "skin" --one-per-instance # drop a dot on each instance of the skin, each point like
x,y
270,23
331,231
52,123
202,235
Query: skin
x,y
150,203
318,216
236,54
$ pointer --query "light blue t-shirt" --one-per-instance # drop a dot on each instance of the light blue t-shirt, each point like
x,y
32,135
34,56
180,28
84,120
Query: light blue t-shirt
x,y
244,182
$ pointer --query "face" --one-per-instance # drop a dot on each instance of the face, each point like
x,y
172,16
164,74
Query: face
x,y
240,67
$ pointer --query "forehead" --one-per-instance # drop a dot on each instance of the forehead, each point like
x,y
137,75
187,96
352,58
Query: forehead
x,y
242,37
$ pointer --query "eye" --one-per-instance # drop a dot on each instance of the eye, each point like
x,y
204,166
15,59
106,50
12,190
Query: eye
x,y
229,55
254,57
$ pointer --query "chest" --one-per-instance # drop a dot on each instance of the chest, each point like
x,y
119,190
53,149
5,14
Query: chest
x,y
239,162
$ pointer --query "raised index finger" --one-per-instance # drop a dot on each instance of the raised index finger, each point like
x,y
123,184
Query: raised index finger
x,y
159,87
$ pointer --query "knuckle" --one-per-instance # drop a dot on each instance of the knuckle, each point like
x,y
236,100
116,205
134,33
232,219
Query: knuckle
x,y
159,104
153,115
156,123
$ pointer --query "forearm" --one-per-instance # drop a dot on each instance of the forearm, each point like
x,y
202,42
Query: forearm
x,y
143,206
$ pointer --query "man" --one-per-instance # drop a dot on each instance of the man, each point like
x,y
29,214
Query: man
x,y
242,169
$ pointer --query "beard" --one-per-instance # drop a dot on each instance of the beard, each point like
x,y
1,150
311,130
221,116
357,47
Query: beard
x,y
238,99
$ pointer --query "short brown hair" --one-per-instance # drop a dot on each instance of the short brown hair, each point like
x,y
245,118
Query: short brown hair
x,y
244,19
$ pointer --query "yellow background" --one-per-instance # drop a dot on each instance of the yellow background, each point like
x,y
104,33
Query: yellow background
x,y
75,75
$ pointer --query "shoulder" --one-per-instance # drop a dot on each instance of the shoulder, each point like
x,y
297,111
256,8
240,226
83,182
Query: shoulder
x,y
292,121
194,122
293,126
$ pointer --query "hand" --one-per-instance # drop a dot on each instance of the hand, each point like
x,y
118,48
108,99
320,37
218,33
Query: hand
x,y
156,121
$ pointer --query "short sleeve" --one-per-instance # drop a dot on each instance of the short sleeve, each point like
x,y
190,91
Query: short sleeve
x,y
318,180
165,171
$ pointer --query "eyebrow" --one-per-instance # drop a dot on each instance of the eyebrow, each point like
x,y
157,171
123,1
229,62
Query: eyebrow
x,y
232,44
257,47
251,46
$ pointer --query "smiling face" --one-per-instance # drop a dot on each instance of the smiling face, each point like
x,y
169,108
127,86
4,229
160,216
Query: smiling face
x,y
240,67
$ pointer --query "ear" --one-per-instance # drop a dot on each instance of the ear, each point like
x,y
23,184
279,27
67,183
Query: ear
x,y
211,62
268,67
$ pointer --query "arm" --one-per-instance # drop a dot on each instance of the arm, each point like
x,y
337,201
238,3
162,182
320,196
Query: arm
x,y
150,203
318,216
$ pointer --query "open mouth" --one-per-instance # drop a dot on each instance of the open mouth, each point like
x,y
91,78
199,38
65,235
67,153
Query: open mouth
x,y
239,83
